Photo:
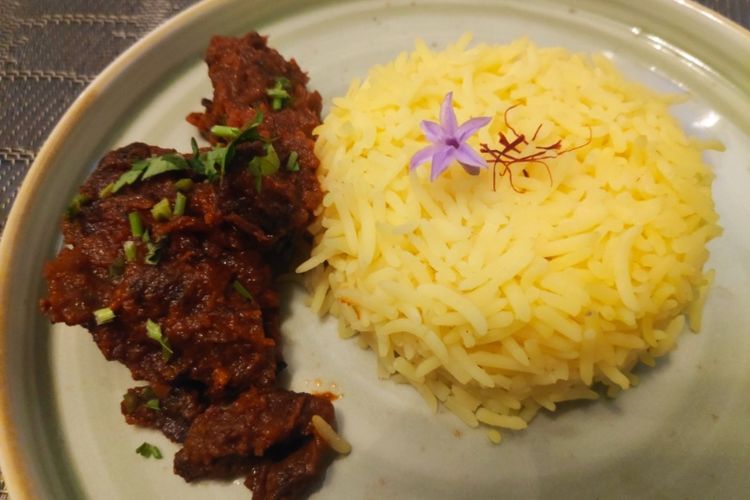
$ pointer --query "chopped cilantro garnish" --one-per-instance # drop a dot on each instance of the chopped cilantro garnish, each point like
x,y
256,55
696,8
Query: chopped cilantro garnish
x,y
130,176
161,211
180,201
292,163
165,163
225,132
249,134
153,330
136,226
262,166
106,190
211,164
148,450
195,160
130,251
183,185
149,167
104,315
78,201
278,93
153,404
216,157
153,253
116,268
239,288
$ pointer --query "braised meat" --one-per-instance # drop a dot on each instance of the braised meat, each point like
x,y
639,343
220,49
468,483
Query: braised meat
x,y
243,71
185,297
258,433
218,337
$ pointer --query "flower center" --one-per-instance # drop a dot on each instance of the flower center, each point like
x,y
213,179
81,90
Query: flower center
x,y
452,142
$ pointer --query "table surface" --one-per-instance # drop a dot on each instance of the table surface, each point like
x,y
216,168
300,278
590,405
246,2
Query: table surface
x,y
42,69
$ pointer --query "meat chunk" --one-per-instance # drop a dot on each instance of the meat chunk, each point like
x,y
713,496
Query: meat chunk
x,y
267,434
218,338
193,304
169,409
241,71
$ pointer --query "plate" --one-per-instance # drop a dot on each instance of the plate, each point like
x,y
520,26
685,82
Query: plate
x,y
681,434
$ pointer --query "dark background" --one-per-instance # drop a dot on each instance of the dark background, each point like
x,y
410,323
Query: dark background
x,y
50,50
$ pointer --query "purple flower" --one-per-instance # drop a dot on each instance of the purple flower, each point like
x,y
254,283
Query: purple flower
x,y
449,142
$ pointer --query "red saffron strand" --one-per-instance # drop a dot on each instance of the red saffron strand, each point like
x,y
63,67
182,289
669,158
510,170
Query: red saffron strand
x,y
507,123
556,145
533,138
506,158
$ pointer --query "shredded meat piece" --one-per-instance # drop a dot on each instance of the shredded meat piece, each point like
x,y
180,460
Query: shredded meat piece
x,y
176,408
241,71
214,390
258,431
219,338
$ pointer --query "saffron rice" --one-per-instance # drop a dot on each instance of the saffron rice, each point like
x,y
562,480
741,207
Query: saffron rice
x,y
494,303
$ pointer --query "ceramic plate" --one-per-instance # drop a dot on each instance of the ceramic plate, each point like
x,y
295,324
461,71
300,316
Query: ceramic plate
x,y
682,433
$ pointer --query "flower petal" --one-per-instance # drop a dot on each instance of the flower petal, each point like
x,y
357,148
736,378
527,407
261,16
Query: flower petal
x,y
441,161
467,157
422,156
468,128
432,131
448,116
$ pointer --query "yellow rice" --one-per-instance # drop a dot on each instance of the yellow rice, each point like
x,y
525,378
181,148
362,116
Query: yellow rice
x,y
494,303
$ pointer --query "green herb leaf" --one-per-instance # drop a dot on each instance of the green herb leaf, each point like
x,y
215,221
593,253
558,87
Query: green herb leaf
x,y
136,226
180,201
161,211
129,177
153,253
104,315
130,251
116,268
74,208
249,134
195,161
216,157
239,288
262,166
153,404
106,190
149,167
211,164
225,132
165,163
148,450
140,165
183,185
292,162
153,331
278,93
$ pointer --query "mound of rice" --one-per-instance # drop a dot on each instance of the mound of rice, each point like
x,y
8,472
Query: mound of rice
x,y
497,303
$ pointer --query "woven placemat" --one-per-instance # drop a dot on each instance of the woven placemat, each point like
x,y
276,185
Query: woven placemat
x,y
42,68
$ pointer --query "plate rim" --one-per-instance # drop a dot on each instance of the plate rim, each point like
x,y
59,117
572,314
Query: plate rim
x,y
13,461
